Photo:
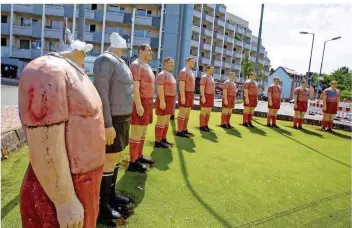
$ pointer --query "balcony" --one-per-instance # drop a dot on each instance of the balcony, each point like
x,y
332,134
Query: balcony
x,y
228,52
156,22
114,17
5,51
219,36
262,51
254,48
154,42
35,53
230,27
52,33
195,28
266,63
197,14
154,63
29,8
252,58
266,73
142,20
211,6
5,7
194,43
218,50
205,60
247,46
238,54
261,61
229,39
22,30
21,53
141,40
240,30
222,9
217,63
55,10
217,76
208,18
206,46
89,14
239,43
227,65
247,33
225,77
220,22
237,67
5,28
207,32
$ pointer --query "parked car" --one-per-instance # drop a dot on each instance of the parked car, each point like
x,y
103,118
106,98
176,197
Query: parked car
x,y
263,97
292,101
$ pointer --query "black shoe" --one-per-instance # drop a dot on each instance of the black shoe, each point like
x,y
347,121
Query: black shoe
x,y
182,134
160,144
324,129
223,125
204,129
167,142
106,212
208,128
188,133
137,166
146,160
330,130
245,125
115,200
269,125
295,127
251,125
274,125
229,126
300,128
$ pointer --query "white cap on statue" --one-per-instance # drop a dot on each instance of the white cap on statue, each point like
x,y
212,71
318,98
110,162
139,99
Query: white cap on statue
x,y
81,46
116,41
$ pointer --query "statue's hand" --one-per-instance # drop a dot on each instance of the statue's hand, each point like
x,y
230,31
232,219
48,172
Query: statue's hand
x,y
70,214
110,135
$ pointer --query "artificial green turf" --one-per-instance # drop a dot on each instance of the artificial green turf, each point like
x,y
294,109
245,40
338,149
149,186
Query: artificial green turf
x,y
243,177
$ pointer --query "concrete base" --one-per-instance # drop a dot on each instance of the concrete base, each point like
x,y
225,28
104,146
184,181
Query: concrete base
x,y
12,141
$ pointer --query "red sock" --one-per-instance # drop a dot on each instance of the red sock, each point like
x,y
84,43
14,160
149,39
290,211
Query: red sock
x,y
158,133
228,118
223,118
245,118
134,149
185,124
324,123
202,120
166,128
273,118
295,120
300,122
330,124
207,119
268,119
250,118
180,123
140,152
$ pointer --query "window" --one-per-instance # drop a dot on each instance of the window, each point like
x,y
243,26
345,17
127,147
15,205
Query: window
x,y
94,6
223,59
35,21
147,34
226,33
24,44
200,68
203,40
26,21
222,71
225,46
92,28
122,9
53,45
141,12
202,54
139,33
89,28
116,9
149,13
190,52
204,26
233,61
36,44
3,41
3,19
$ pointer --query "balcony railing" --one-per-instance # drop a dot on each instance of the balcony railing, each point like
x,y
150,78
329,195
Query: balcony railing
x,y
195,28
237,67
220,22
209,18
229,39
222,9
240,30
55,10
206,47
228,52
21,53
5,50
238,54
5,28
230,26
247,33
141,40
194,43
89,14
114,16
261,51
52,33
217,76
205,60
252,58
239,43
227,65
197,13
219,36
218,50
22,30
211,6
217,63
247,46
267,63
208,32
143,20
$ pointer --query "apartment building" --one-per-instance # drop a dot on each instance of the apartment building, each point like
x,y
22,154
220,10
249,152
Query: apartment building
x,y
206,31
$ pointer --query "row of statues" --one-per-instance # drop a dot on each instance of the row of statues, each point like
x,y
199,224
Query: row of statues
x,y
77,129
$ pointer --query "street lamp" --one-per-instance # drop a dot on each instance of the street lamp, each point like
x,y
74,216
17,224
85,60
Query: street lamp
x,y
322,58
129,51
310,59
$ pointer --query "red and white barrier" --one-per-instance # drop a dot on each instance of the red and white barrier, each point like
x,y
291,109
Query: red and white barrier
x,y
344,112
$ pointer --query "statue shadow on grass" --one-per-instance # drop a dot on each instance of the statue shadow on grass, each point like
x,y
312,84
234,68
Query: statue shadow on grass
x,y
211,136
9,206
256,130
185,144
162,158
232,131
337,134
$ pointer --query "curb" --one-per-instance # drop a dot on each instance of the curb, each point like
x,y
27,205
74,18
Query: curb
x,y
11,141
9,81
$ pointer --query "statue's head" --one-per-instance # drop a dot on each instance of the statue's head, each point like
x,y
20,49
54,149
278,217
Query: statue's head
x,y
118,44
78,51
145,52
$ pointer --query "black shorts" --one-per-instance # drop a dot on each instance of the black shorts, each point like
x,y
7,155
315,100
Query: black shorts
x,y
121,125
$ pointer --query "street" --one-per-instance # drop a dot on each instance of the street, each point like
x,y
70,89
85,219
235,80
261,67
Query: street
x,y
9,95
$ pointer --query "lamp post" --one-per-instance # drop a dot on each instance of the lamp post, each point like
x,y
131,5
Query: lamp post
x,y
322,58
129,51
310,59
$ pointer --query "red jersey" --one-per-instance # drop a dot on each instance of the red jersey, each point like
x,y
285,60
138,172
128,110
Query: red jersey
x,y
302,94
167,79
189,78
143,73
275,91
209,85
252,87
230,87
332,95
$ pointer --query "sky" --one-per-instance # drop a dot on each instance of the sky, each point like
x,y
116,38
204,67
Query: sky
x,y
286,47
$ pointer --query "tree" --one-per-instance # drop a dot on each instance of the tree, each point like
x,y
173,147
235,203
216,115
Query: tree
x,y
246,66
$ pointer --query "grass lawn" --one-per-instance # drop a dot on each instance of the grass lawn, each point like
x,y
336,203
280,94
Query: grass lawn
x,y
243,177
